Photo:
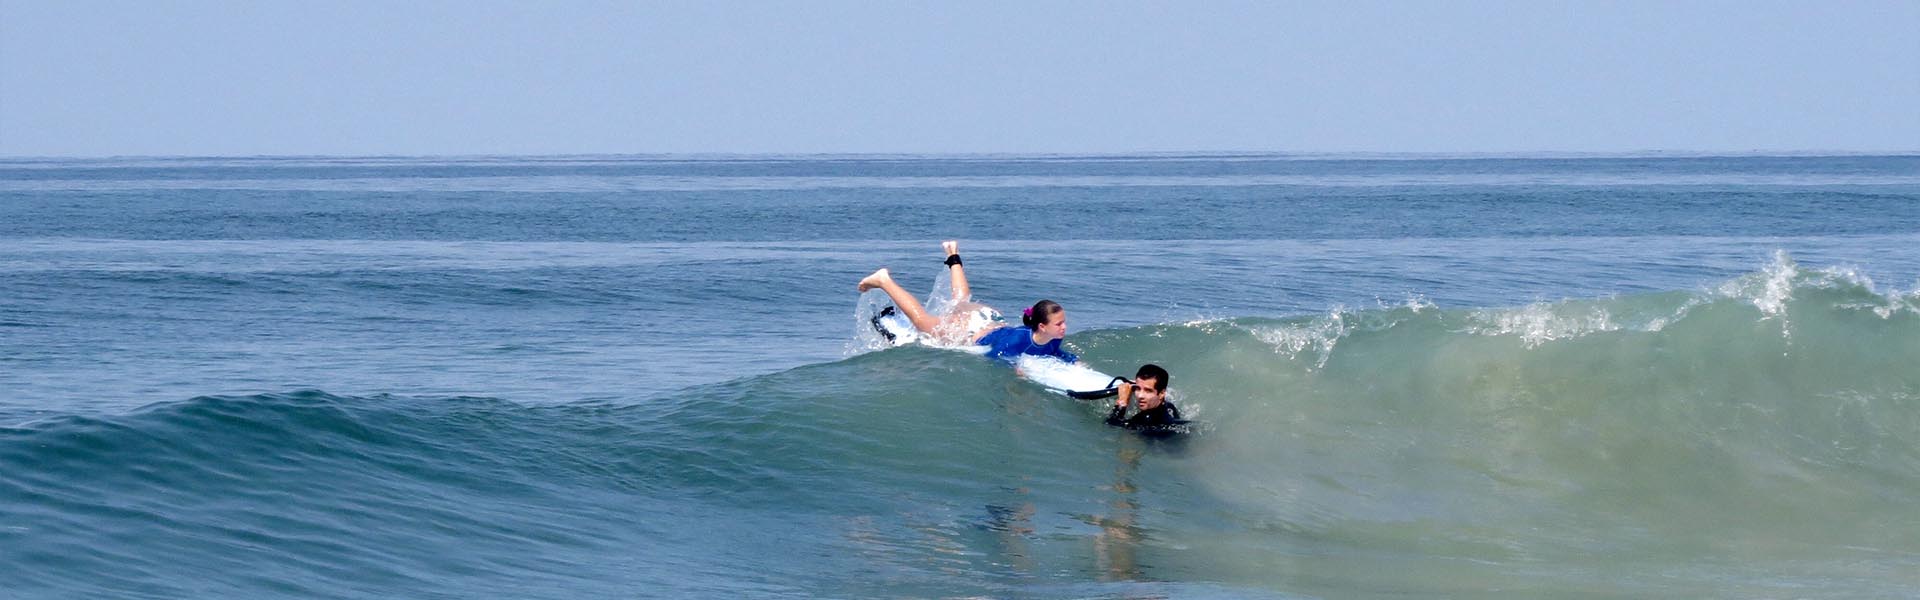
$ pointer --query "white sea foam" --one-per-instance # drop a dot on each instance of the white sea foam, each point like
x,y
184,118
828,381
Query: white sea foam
x,y
1540,323
867,339
1316,336
1769,290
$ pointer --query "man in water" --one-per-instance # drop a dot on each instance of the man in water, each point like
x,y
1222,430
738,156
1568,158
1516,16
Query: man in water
x,y
1149,391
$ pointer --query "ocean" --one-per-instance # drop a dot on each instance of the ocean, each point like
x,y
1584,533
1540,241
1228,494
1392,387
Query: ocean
x,y
1537,376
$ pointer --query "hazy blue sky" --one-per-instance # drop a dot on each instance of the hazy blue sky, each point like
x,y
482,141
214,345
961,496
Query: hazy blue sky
x,y
475,77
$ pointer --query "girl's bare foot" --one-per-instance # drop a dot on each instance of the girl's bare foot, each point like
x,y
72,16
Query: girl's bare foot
x,y
875,280
951,246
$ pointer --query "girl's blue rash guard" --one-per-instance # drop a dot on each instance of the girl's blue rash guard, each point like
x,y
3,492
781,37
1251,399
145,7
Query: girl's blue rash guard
x,y
1008,343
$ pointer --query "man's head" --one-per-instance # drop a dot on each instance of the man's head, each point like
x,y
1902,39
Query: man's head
x,y
1150,385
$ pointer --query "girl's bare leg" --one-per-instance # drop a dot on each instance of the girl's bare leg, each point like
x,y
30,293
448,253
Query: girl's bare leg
x,y
961,292
907,303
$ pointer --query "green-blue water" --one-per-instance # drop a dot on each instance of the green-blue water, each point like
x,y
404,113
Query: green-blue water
x,y
1526,377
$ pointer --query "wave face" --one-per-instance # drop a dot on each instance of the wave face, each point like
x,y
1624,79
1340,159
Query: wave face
x,y
1746,440
1754,438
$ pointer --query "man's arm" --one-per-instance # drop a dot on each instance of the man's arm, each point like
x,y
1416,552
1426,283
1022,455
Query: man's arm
x,y
1118,417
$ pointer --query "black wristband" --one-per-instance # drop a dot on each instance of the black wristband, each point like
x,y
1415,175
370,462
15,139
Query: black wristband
x,y
953,260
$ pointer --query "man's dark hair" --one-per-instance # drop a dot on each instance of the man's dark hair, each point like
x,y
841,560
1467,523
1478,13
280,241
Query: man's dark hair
x,y
1154,372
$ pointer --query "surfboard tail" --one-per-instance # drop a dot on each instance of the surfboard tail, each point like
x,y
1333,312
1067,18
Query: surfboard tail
x,y
880,326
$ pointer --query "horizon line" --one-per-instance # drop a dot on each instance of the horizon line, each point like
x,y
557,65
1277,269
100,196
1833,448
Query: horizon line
x,y
1196,154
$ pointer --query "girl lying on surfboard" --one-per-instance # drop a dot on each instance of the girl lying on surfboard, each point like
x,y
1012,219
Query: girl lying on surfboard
x,y
1040,334
1041,330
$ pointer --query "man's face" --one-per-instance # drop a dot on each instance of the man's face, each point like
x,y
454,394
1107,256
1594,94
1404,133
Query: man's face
x,y
1147,390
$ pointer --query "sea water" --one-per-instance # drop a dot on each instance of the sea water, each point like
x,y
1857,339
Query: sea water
x,y
647,376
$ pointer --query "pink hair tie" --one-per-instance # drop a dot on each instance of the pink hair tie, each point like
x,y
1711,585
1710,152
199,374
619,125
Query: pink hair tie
x,y
1028,313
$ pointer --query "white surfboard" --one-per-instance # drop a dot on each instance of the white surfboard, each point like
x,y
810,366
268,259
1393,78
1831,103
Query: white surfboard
x,y
1071,379
895,327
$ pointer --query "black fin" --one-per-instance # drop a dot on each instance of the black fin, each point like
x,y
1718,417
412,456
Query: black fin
x,y
884,313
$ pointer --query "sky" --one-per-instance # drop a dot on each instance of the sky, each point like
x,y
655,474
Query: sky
x,y
423,77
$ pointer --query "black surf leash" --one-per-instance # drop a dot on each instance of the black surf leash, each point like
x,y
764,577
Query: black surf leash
x,y
1111,391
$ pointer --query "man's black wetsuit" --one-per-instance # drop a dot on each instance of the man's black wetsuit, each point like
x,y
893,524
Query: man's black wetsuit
x,y
1159,418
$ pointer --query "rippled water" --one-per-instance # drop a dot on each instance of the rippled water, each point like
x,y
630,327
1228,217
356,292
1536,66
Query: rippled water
x,y
642,376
